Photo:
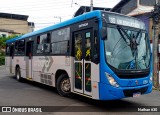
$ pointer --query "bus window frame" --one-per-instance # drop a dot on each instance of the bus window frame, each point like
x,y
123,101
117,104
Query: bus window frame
x,y
95,57
36,45
69,41
16,53
7,53
75,27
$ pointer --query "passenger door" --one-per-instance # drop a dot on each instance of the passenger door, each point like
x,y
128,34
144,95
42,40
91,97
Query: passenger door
x,y
11,59
82,61
29,56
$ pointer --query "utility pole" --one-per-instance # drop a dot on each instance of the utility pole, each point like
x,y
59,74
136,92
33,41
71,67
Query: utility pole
x,y
91,5
155,17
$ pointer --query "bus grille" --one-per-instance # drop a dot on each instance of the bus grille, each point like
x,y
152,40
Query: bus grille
x,y
129,92
131,76
46,79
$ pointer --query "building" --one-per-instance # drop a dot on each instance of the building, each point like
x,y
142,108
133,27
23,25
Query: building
x,y
136,8
140,9
14,24
6,33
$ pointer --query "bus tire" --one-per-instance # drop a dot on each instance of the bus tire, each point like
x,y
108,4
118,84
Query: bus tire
x,y
18,74
63,85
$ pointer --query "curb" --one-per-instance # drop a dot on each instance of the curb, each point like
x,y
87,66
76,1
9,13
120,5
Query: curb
x,y
158,89
2,66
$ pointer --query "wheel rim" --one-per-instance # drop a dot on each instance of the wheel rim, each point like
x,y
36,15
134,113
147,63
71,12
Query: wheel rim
x,y
65,85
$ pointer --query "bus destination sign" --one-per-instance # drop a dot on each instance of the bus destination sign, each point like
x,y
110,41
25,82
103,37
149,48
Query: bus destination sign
x,y
125,21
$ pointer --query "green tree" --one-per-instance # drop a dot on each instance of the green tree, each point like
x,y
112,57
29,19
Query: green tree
x,y
3,47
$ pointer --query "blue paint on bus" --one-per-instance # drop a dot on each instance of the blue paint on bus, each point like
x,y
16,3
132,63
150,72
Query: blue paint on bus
x,y
63,24
106,90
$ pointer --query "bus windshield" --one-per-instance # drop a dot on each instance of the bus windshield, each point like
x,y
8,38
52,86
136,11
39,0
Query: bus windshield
x,y
127,49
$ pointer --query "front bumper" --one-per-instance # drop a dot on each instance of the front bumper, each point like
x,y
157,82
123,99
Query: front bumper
x,y
108,92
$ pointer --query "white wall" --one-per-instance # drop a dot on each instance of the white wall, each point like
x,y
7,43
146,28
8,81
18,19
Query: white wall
x,y
5,33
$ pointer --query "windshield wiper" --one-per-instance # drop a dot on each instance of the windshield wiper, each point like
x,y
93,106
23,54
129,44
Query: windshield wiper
x,y
133,43
139,32
120,29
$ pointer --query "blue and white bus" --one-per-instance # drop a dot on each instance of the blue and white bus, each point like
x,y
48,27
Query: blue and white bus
x,y
100,55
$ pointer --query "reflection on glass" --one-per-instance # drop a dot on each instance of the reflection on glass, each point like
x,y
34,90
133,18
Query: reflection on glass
x,y
88,47
127,49
78,47
78,75
88,77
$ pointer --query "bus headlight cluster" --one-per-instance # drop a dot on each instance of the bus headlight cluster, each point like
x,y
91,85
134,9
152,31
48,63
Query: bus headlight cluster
x,y
111,80
151,77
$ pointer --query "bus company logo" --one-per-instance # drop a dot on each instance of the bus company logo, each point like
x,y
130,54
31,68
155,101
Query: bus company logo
x,y
83,25
44,62
21,109
48,63
136,82
6,109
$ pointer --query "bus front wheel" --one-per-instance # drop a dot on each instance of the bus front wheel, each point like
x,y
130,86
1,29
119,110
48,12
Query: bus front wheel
x,y
63,85
18,74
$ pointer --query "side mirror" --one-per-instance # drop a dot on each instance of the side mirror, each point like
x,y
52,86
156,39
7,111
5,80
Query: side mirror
x,y
104,33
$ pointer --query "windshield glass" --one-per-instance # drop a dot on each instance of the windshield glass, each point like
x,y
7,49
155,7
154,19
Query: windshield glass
x,y
127,49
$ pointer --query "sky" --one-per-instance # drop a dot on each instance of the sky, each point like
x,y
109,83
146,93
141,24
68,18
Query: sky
x,y
48,12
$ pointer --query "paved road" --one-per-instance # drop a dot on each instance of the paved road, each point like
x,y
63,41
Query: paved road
x,y
14,93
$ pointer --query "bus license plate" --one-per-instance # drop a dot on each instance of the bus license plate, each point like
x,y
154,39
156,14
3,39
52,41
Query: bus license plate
x,y
136,94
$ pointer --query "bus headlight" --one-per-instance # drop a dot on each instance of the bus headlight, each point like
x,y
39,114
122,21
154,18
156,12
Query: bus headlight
x,y
151,77
111,80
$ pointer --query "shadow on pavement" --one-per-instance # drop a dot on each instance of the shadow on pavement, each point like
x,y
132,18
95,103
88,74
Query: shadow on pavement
x,y
91,105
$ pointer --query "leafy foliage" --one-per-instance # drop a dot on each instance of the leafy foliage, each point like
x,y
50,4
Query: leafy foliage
x,y
4,39
3,47
2,60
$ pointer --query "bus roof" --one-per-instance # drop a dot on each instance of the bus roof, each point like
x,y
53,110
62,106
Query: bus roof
x,y
96,13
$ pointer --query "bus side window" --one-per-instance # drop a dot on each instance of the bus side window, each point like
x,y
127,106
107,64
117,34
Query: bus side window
x,y
7,50
60,41
38,39
11,51
47,43
16,47
21,47
39,49
95,57
48,38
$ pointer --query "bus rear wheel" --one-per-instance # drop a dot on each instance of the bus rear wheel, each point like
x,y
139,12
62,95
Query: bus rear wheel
x,y
63,85
18,74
